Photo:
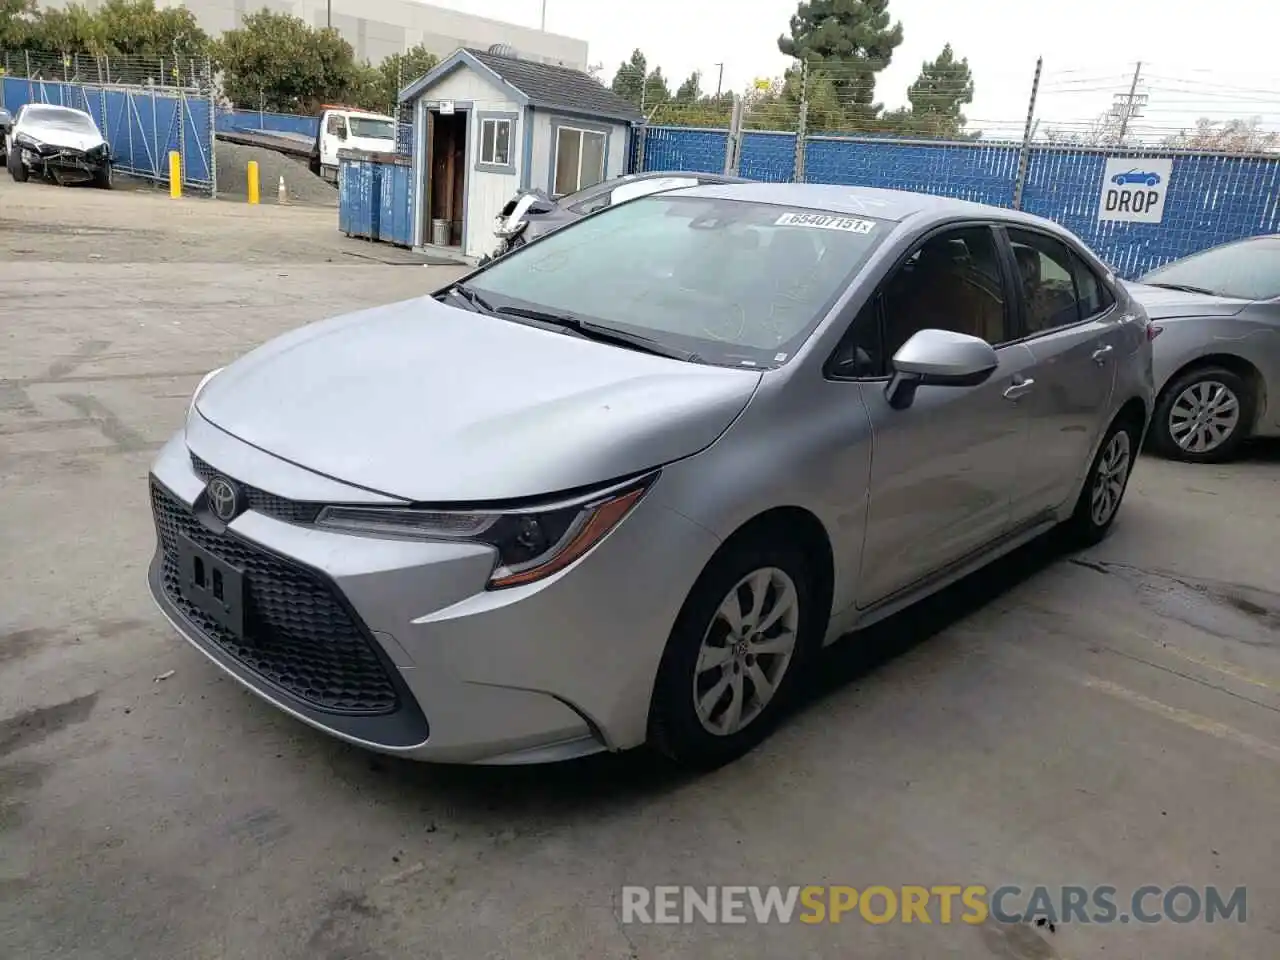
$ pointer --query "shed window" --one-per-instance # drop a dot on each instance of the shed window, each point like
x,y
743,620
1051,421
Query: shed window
x,y
495,142
579,159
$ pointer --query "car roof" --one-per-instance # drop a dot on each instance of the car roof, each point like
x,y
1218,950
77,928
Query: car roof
x,y
48,108
894,205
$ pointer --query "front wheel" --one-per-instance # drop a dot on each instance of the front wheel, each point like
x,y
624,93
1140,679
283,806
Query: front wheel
x,y
102,177
1203,416
16,168
737,655
1105,485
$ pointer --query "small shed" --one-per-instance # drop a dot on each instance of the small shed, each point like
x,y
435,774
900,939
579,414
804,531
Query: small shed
x,y
487,124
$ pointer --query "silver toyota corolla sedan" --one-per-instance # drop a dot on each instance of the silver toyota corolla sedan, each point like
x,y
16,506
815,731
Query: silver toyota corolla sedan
x,y
620,486
1217,357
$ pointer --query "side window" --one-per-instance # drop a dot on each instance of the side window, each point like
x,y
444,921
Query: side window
x,y
951,282
336,125
1093,296
1045,277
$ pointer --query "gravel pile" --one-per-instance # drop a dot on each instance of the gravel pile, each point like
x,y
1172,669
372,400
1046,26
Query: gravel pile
x,y
303,185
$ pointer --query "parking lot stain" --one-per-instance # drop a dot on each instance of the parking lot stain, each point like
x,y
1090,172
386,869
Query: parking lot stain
x,y
32,726
19,643
125,438
81,355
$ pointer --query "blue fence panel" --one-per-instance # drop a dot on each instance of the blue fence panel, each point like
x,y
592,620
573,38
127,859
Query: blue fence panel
x,y
983,173
684,148
1211,199
265,120
142,124
768,156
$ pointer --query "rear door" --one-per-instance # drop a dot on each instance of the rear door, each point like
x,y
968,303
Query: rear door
x,y
1069,322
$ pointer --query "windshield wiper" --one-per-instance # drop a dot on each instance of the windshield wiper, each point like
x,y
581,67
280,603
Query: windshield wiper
x,y
1185,288
595,331
478,302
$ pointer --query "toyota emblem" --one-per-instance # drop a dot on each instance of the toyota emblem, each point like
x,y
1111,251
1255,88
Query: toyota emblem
x,y
224,498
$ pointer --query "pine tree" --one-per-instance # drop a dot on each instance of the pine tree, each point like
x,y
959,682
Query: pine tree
x,y
849,41
940,93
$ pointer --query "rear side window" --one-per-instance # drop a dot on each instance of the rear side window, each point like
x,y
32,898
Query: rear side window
x,y
1046,280
1093,296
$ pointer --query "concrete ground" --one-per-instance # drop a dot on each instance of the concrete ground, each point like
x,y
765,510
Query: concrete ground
x,y
1107,718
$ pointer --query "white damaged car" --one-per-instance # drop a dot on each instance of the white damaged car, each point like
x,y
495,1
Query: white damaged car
x,y
59,143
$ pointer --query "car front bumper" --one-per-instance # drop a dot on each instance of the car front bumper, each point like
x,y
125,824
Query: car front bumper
x,y
546,671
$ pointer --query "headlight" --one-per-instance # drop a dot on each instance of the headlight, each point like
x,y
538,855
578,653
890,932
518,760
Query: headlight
x,y
531,543
26,140
204,381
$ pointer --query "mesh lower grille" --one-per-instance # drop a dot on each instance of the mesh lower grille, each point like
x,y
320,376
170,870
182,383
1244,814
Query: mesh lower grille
x,y
290,511
298,635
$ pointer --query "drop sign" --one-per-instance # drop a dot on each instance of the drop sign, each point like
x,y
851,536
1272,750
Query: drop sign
x,y
1134,188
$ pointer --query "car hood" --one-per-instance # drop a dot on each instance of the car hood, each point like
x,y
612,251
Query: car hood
x,y
1164,304
56,136
432,403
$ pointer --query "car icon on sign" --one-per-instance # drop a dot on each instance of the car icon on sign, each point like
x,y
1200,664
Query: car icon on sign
x,y
1136,176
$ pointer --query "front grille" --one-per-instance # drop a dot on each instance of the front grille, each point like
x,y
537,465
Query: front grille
x,y
298,635
290,511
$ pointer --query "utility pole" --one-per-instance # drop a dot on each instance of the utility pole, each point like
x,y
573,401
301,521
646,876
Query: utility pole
x,y
719,79
328,14
1131,104
1024,155
544,16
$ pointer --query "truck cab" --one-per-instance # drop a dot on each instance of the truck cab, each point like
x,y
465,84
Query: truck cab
x,y
349,128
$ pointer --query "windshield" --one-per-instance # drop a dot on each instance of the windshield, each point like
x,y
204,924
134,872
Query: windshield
x,y
61,120
733,282
374,129
1249,270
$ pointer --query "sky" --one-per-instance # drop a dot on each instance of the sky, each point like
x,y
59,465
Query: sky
x,y
1090,50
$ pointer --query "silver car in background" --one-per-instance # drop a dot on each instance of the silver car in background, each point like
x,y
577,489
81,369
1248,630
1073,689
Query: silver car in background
x,y
59,143
621,485
1217,356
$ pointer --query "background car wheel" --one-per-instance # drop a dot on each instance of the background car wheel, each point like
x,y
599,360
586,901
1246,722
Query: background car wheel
x,y
1105,485
16,169
1203,416
102,177
737,655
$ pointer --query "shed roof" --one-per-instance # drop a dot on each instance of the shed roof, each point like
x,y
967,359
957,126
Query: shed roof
x,y
541,85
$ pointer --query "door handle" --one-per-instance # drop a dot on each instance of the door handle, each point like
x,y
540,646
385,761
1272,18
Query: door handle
x,y
1020,388
1100,355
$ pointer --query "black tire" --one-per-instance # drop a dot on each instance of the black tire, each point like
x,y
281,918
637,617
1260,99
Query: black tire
x,y
674,725
16,169
1085,529
1162,437
102,177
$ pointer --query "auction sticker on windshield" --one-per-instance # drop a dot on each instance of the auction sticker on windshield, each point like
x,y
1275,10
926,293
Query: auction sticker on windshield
x,y
822,221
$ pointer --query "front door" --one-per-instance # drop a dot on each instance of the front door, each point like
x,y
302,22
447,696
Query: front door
x,y
1072,331
942,469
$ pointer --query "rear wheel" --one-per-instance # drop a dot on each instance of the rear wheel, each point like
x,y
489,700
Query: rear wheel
x,y
1203,416
1105,485
737,655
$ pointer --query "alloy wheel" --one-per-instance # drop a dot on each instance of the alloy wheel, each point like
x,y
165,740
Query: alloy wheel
x,y
1108,483
1204,416
746,651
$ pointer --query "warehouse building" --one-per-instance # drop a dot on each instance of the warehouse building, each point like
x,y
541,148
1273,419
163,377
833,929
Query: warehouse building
x,y
376,29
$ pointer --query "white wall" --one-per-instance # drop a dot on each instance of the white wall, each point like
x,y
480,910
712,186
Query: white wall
x,y
378,28
486,192
544,147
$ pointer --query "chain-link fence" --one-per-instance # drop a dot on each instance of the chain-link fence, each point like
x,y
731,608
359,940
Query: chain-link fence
x,y
146,109
1219,143
178,72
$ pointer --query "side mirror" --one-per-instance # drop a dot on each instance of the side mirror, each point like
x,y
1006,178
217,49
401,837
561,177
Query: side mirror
x,y
938,358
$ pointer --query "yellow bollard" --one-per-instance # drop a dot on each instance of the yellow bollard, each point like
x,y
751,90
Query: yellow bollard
x,y
175,174
253,181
